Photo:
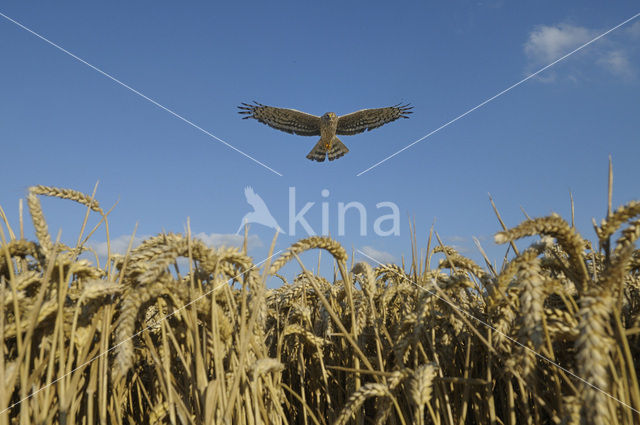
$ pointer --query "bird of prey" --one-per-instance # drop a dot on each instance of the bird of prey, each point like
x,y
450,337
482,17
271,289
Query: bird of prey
x,y
260,213
327,126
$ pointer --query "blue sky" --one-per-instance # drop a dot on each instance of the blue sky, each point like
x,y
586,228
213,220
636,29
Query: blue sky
x,y
64,124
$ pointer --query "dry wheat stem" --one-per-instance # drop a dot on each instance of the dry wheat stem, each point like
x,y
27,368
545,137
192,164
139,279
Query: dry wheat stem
x,y
546,359
220,361
321,242
117,345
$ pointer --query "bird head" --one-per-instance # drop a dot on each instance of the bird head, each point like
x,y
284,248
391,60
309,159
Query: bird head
x,y
329,116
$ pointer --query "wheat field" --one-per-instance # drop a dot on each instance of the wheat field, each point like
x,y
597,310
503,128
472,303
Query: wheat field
x,y
550,337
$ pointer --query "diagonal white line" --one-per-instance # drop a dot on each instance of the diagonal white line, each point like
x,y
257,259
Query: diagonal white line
x,y
175,114
136,334
500,94
543,357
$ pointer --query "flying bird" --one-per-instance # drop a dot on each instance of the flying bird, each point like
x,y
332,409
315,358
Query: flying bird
x,y
327,126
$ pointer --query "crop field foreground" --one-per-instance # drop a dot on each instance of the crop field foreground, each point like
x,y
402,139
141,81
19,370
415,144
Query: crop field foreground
x,y
550,337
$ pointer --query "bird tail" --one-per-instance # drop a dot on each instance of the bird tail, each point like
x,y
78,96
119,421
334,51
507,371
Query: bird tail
x,y
337,150
320,151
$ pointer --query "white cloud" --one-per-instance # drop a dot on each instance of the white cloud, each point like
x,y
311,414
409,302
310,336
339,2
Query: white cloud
x,y
457,239
227,239
119,245
634,30
377,256
548,43
617,62
459,243
493,4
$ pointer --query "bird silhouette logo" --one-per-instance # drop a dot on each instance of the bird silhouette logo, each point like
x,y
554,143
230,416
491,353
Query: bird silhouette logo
x,y
260,213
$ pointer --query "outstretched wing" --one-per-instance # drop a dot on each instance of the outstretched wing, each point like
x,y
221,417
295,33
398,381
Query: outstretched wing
x,y
368,119
288,120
